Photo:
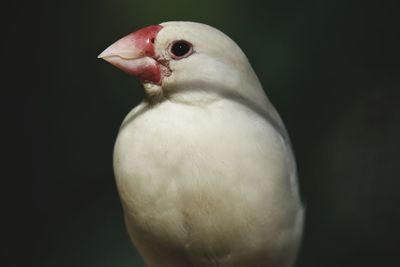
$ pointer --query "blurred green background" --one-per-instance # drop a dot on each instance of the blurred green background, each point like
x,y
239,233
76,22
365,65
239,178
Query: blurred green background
x,y
330,67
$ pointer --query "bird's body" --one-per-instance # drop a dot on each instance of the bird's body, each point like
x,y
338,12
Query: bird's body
x,y
205,170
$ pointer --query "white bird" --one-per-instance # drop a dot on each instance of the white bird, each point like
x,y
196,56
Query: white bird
x,y
204,166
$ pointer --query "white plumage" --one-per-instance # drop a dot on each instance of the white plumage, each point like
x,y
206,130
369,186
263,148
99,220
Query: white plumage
x,y
203,165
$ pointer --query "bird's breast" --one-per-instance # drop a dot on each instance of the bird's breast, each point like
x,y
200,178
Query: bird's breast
x,y
196,176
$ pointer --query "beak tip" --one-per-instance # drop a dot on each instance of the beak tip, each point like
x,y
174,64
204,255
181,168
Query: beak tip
x,y
101,55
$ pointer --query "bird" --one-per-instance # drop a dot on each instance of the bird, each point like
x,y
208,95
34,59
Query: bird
x,y
204,166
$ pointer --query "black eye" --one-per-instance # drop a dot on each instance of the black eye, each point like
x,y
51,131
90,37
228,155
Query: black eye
x,y
181,49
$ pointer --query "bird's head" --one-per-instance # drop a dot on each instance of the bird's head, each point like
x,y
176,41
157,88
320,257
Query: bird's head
x,y
184,60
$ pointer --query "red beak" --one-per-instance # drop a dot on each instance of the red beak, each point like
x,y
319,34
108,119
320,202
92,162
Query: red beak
x,y
135,53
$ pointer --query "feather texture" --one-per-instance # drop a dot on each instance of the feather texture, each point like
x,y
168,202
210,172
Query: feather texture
x,y
206,173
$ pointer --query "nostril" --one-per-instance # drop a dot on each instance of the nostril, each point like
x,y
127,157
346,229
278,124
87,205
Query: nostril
x,y
152,40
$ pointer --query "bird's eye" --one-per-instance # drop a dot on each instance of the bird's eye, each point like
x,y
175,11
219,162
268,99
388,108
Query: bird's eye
x,y
181,49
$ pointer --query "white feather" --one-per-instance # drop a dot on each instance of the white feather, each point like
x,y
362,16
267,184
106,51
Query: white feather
x,y
207,176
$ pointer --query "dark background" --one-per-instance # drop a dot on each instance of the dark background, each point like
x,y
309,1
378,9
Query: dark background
x,y
330,67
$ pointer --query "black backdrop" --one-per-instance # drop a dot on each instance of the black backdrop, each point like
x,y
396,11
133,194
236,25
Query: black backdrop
x,y
330,67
